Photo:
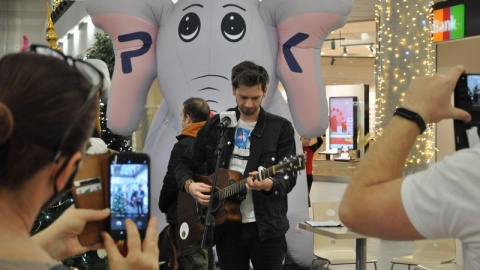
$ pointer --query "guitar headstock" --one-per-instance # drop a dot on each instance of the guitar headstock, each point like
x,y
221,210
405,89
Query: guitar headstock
x,y
291,164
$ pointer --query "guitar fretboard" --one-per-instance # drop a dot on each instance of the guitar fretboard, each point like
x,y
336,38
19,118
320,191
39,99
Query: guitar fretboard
x,y
290,165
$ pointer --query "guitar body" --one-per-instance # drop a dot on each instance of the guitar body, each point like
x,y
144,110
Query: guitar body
x,y
191,215
224,210
190,223
229,192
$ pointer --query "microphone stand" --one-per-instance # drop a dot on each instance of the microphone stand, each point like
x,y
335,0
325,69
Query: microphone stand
x,y
218,156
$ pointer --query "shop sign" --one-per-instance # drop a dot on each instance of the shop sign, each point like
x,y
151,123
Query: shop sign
x,y
448,23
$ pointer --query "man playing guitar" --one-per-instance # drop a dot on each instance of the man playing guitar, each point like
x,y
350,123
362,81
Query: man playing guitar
x,y
259,139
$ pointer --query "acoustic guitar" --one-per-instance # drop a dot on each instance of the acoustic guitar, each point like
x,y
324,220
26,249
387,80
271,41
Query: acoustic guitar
x,y
228,194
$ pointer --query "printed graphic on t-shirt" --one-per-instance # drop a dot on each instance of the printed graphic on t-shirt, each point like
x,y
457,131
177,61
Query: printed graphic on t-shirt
x,y
241,138
238,162
241,149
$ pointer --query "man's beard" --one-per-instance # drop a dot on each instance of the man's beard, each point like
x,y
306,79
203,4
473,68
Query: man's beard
x,y
249,111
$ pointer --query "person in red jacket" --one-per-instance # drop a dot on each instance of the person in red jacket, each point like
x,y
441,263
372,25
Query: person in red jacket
x,y
309,150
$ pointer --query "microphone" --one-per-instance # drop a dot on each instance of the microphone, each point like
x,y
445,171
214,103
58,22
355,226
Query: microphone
x,y
228,119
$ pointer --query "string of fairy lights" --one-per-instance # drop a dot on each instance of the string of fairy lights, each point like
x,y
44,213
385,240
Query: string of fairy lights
x,y
405,51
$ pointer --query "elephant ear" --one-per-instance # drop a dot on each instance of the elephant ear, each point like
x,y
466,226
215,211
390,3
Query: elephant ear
x,y
133,26
302,26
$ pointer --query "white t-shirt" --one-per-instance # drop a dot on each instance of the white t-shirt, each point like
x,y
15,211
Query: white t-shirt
x,y
444,202
238,162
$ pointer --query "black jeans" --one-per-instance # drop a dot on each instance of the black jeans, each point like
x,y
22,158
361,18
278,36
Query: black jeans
x,y
309,186
194,257
240,244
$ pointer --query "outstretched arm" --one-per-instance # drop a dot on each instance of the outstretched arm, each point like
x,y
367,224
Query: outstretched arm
x,y
372,203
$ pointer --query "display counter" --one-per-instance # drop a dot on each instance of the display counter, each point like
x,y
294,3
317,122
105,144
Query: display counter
x,y
331,170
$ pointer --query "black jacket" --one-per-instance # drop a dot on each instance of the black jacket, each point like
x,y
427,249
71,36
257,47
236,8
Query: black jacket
x,y
271,140
169,193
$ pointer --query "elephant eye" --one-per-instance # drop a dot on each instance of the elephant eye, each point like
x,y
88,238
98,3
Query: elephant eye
x,y
233,27
189,27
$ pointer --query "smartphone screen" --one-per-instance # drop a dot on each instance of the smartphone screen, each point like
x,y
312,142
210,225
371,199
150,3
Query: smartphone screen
x,y
129,175
467,92
467,97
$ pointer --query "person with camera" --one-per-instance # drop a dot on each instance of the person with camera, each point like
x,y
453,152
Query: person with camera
x,y
48,105
440,202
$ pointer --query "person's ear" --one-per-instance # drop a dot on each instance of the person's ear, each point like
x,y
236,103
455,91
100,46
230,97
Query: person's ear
x,y
234,91
188,119
71,167
265,92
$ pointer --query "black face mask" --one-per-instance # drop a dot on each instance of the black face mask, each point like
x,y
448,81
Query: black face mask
x,y
57,195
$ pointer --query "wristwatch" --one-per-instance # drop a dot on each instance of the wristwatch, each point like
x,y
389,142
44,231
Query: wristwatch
x,y
412,116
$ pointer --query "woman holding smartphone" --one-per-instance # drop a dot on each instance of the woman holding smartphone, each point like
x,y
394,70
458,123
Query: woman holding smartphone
x,y
48,106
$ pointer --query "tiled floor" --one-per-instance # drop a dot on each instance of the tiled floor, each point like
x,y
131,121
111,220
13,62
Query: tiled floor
x,y
381,249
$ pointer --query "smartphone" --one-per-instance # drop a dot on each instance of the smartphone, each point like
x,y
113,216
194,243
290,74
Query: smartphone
x,y
466,97
129,192
467,92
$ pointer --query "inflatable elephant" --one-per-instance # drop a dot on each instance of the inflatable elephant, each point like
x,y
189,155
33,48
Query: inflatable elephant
x,y
191,47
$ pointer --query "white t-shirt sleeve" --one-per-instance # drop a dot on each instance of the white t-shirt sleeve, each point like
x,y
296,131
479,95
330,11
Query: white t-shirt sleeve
x,y
444,200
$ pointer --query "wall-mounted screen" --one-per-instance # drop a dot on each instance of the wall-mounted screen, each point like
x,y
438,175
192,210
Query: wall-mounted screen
x,y
343,122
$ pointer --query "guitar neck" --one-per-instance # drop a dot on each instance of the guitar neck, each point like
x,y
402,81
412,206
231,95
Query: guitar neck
x,y
240,186
287,165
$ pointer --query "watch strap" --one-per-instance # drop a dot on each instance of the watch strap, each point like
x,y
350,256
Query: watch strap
x,y
412,116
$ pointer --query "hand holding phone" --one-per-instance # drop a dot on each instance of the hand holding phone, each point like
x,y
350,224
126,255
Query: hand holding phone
x,y
128,193
141,254
90,192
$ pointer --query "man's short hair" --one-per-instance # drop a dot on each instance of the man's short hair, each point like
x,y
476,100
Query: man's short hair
x,y
197,109
249,74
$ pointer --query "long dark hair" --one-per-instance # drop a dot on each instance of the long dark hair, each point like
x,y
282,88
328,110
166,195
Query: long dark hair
x,y
40,97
